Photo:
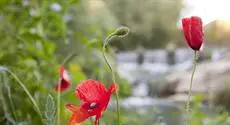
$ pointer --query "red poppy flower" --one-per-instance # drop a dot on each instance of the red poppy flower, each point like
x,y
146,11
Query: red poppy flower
x,y
193,32
94,97
64,80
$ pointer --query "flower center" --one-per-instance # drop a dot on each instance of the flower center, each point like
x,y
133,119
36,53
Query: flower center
x,y
93,105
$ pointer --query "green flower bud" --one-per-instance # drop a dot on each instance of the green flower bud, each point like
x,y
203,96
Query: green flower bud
x,y
121,31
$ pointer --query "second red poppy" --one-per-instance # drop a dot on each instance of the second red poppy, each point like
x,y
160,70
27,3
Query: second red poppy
x,y
193,32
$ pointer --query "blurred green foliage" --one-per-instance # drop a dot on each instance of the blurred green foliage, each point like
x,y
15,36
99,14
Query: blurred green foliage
x,y
153,23
29,31
37,36
208,115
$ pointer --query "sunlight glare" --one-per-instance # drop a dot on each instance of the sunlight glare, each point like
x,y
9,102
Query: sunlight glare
x,y
210,10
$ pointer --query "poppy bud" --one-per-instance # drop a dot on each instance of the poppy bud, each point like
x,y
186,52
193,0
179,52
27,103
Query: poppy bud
x,y
193,32
121,31
64,80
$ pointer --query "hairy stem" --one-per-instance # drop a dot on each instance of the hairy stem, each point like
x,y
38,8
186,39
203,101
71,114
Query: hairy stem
x,y
190,88
58,105
66,60
106,42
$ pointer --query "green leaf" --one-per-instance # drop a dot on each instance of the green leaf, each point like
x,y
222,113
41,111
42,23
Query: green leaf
x,y
50,111
27,36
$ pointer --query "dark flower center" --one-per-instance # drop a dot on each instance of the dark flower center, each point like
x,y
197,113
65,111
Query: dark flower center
x,y
93,105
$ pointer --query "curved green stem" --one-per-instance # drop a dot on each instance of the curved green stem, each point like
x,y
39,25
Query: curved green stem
x,y
106,42
190,88
69,58
26,91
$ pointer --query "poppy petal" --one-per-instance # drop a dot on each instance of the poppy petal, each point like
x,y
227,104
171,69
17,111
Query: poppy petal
x,y
64,82
62,86
186,29
113,88
78,115
197,32
95,98
193,32
90,91
64,74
